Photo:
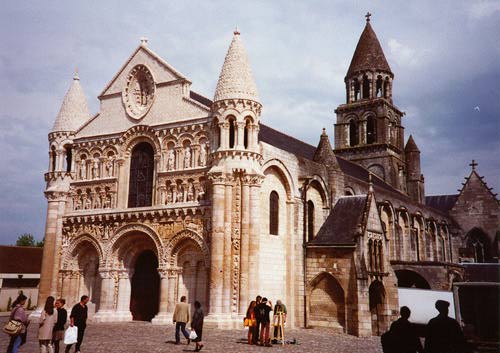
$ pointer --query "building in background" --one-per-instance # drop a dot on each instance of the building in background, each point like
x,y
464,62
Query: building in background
x,y
165,193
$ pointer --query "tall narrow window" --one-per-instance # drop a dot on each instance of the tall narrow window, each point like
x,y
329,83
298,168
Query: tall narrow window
x,y
69,158
310,220
379,87
353,133
274,206
357,90
141,176
366,87
386,88
53,159
371,130
231,133
245,135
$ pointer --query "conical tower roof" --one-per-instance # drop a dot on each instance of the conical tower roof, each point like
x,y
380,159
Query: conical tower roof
x,y
368,54
236,79
411,146
324,152
74,109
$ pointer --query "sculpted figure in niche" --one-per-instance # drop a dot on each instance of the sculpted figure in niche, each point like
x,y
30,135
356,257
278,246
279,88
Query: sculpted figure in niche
x,y
170,160
83,169
187,158
180,193
203,154
109,166
97,203
107,201
174,193
87,202
77,203
190,192
95,168
201,192
169,196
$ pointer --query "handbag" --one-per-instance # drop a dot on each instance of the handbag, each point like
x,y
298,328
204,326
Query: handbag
x,y
247,322
13,327
193,335
71,335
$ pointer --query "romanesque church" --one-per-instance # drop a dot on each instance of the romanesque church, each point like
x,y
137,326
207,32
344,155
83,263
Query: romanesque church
x,y
164,192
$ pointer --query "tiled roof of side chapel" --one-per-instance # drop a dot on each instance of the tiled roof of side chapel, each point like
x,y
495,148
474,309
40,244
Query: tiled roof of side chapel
x,y
236,78
368,54
74,110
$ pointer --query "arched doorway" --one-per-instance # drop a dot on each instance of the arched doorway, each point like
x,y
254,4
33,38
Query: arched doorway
x,y
411,279
144,297
326,302
377,305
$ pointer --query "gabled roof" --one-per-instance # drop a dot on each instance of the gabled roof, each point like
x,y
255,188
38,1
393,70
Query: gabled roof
x,y
236,78
342,224
441,202
20,259
74,110
155,56
368,54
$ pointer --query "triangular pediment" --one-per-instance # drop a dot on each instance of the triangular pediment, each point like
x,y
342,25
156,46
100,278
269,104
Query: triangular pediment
x,y
160,69
169,97
373,222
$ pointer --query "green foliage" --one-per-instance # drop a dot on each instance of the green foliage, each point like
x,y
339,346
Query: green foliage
x,y
27,239
9,304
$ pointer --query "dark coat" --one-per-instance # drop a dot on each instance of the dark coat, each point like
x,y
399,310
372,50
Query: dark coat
x,y
444,335
404,337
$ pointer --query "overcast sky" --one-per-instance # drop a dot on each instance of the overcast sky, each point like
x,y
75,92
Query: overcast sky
x,y
445,57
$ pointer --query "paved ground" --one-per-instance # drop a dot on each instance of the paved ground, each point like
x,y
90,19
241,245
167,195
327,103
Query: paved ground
x,y
141,337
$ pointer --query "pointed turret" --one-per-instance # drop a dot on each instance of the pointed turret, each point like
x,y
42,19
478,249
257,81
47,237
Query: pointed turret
x,y
236,79
368,55
411,146
414,179
74,109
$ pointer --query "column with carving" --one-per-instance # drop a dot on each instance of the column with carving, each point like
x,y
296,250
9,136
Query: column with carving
x,y
171,300
245,244
254,236
124,290
163,316
107,296
228,209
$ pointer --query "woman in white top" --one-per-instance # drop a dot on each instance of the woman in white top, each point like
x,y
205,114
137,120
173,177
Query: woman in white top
x,y
48,320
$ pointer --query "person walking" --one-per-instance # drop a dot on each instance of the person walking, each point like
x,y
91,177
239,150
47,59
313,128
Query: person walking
x,y
250,316
78,318
48,320
181,318
262,313
443,334
62,317
18,314
403,336
197,325
255,335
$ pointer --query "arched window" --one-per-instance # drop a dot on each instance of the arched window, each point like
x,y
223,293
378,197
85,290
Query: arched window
x,y
478,245
310,220
216,131
274,205
231,132
69,158
386,88
366,87
141,176
379,87
245,134
371,130
356,89
353,133
53,159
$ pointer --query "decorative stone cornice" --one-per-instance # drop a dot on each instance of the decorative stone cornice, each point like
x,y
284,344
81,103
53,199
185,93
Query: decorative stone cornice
x,y
55,195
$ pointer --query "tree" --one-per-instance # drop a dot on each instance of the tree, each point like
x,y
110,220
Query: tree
x,y
25,239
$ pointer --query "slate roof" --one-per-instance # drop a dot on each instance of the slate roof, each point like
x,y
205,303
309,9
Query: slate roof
x,y
286,142
368,54
20,259
441,202
341,225
200,99
236,78
74,110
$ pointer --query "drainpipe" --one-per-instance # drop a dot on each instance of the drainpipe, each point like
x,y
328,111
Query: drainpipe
x,y
304,240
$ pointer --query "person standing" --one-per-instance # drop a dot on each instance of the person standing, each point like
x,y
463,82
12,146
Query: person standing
x,y
263,310
181,318
444,334
197,325
255,335
403,336
78,318
48,320
62,317
279,314
250,316
18,314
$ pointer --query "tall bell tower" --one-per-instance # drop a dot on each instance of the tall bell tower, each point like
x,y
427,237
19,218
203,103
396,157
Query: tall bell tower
x,y
368,129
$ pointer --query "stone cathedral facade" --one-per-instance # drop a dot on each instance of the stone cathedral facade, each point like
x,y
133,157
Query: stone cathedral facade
x,y
165,193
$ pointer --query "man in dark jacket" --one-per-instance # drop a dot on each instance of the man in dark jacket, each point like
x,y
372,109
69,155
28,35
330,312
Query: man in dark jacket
x,y
78,318
403,336
262,314
444,334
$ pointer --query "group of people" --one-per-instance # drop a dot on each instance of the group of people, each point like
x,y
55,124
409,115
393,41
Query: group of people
x,y
443,334
52,323
181,318
258,321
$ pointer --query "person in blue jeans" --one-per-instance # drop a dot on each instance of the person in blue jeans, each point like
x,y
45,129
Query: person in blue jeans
x,y
181,318
18,314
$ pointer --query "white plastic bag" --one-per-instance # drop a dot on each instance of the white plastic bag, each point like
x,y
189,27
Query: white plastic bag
x,y
192,335
71,335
